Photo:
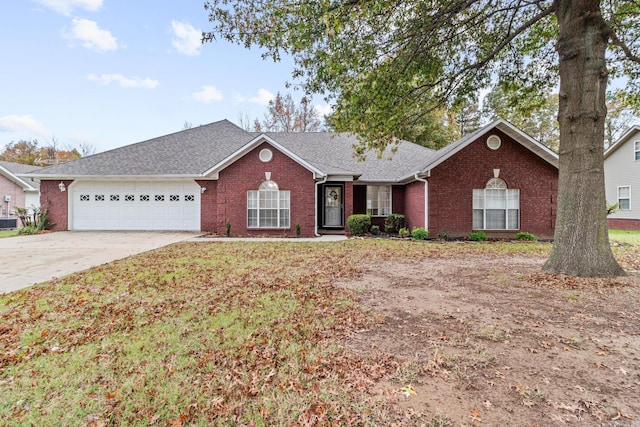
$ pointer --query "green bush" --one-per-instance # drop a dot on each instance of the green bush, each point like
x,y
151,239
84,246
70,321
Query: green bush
x,y
523,235
419,233
228,228
358,224
393,223
375,230
404,232
28,230
478,236
444,235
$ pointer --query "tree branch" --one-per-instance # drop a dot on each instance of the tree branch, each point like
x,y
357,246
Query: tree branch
x,y
623,46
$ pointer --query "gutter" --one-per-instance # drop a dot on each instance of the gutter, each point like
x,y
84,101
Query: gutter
x,y
426,200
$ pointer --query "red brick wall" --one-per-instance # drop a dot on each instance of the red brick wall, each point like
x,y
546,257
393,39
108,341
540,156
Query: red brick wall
x,y
414,205
56,202
451,184
623,224
208,205
248,173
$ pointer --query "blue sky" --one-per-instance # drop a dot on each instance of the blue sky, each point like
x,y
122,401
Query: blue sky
x,y
114,72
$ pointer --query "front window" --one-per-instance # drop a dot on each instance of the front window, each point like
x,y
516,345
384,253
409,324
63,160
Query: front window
x,y
496,207
637,150
268,207
378,200
624,198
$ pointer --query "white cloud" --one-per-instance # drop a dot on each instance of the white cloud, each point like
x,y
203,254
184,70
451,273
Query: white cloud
x,y
207,94
263,98
91,35
186,38
26,124
66,7
125,82
323,110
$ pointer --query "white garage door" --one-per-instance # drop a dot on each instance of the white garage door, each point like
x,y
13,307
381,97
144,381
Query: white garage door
x,y
135,206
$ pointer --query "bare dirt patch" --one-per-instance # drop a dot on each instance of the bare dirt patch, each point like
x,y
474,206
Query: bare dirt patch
x,y
487,340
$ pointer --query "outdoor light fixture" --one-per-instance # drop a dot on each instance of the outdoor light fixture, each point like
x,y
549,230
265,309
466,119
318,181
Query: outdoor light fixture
x,y
62,187
203,189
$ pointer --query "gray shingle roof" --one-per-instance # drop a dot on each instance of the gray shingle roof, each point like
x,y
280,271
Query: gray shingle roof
x,y
19,169
193,151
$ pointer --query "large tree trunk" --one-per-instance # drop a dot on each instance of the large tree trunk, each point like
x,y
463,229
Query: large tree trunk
x,y
581,246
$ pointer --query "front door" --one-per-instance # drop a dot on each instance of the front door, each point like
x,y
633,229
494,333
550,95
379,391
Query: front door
x,y
333,205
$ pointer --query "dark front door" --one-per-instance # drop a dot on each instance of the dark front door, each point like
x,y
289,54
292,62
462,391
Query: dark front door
x,y
333,206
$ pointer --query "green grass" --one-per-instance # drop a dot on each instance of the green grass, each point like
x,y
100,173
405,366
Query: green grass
x,y
8,233
631,237
202,334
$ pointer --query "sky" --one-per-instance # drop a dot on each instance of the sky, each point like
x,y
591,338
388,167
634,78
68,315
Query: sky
x,y
110,73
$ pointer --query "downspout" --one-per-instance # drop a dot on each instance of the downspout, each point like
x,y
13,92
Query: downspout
x,y
315,230
426,200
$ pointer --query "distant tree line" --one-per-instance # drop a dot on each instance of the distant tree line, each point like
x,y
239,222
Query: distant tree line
x,y
29,152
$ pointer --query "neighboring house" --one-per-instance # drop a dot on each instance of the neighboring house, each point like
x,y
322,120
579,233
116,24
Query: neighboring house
x,y
497,179
16,191
622,180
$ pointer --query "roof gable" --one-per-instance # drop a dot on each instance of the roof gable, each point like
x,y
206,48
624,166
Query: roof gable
x,y
516,134
14,171
626,137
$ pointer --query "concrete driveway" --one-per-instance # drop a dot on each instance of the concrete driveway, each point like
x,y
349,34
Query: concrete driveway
x,y
33,259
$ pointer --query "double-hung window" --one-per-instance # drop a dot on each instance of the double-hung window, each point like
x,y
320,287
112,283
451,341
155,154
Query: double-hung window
x,y
624,197
496,207
637,150
268,207
378,200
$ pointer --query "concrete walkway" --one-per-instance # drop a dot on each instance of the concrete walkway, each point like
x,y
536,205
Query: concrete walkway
x,y
33,259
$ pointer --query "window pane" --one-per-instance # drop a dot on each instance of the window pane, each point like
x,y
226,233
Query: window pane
x,y
496,219
478,219
624,204
252,218
269,218
478,200
495,199
513,199
624,192
284,218
513,219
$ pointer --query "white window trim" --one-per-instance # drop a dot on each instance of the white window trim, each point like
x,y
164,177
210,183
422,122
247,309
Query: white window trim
x,y
280,219
370,208
624,198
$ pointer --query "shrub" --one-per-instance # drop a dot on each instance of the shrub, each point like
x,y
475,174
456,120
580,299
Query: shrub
x,y
29,229
358,224
444,235
478,236
393,223
523,235
228,228
404,232
375,230
297,228
419,233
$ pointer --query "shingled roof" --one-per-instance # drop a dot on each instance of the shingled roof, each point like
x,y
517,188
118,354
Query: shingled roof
x,y
192,152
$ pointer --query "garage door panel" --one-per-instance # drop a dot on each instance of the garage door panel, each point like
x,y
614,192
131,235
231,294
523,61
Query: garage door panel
x,y
135,206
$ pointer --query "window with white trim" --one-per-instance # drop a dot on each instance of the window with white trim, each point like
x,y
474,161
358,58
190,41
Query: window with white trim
x,y
637,150
378,200
496,207
624,197
268,207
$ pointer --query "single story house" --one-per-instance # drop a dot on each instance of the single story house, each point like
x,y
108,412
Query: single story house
x,y
16,191
497,179
621,177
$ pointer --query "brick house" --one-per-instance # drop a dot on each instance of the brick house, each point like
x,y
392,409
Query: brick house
x,y
16,191
496,179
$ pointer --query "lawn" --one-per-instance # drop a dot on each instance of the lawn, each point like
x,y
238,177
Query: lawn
x,y
273,333
631,237
8,233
